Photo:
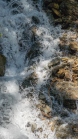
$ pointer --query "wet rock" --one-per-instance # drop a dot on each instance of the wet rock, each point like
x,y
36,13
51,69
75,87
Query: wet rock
x,y
53,5
64,113
46,109
46,2
52,128
40,129
34,30
56,68
67,76
32,79
46,115
54,62
73,47
63,131
61,73
56,12
35,20
68,89
42,96
52,124
58,21
33,127
33,51
70,103
2,64
75,129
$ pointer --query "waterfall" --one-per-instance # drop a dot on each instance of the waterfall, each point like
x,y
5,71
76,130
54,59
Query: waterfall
x,y
24,24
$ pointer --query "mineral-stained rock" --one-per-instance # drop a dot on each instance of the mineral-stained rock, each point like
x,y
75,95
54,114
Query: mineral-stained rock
x,y
2,64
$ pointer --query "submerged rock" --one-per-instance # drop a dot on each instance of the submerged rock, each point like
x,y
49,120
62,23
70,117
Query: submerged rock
x,y
32,79
35,20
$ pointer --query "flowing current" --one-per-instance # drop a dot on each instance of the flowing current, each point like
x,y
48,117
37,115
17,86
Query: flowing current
x,y
17,28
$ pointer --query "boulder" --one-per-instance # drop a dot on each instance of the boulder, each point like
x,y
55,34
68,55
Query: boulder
x,y
2,64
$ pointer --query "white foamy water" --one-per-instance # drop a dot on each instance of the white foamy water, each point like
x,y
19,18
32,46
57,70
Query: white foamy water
x,y
18,112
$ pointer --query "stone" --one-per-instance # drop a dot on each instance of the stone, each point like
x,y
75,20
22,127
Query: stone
x,y
2,64
33,127
46,109
58,67
32,79
34,30
42,96
75,69
69,103
52,128
33,51
46,115
54,62
74,128
73,47
35,20
68,89
67,76
40,129
53,5
56,12
61,73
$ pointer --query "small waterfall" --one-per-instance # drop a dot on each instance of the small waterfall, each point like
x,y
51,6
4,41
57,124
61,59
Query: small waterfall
x,y
25,29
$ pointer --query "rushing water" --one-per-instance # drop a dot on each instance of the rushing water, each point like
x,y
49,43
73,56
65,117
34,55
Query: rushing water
x,y
17,111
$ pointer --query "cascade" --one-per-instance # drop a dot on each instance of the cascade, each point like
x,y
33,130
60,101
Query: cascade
x,y
29,42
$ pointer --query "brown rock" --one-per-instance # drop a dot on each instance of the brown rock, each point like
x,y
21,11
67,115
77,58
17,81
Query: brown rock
x,y
75,128
67,76
61,73
75,69
52,128
73,46
2,64
69,89
58,67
